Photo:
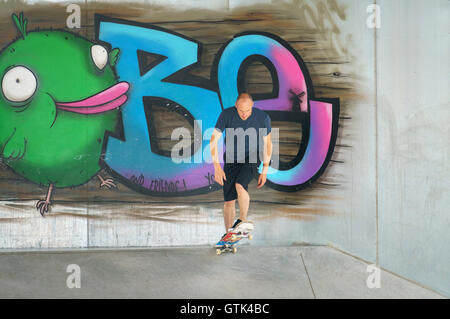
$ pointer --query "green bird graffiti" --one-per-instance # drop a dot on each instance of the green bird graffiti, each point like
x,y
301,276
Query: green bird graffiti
x,y
59,96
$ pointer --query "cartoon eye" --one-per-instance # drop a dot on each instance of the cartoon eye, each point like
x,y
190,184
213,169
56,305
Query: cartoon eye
x,y
19,84
99,56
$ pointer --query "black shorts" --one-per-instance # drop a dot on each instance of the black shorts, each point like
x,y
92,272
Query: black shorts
x,y
241,173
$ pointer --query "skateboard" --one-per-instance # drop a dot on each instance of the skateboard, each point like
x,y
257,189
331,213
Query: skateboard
x,y
242,230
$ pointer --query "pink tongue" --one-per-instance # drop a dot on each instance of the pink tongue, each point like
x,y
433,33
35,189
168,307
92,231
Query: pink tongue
x,y
96,109
103,97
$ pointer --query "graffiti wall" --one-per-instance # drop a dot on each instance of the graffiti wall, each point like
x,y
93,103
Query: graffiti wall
x,y
92,95
33,85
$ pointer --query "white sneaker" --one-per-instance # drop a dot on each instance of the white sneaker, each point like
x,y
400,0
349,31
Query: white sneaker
x,y
244,227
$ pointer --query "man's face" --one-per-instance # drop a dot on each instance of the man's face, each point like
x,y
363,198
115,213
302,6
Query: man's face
x,y
244,108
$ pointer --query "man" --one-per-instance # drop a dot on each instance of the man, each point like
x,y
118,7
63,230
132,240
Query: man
x,y
244,126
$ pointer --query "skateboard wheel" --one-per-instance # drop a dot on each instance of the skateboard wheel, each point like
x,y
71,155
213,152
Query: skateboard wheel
x,y
234,250
250,237
218,251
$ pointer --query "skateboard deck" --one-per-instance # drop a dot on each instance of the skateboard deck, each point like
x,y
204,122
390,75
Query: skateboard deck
x,y
235,235
226,246
242,230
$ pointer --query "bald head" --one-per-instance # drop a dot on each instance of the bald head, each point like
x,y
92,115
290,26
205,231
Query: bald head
x,y
244,97
244,104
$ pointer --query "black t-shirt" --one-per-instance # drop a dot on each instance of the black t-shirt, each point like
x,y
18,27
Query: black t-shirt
x,y
245,135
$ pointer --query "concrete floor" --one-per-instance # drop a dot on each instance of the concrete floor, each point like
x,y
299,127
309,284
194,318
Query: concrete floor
x,y
264,272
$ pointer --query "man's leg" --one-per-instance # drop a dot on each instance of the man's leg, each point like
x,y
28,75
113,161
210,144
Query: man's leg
x,y
229,194
243,200
229,213
245,176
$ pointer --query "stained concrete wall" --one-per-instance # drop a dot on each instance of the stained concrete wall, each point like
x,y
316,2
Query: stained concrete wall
x,y
413,113
390,200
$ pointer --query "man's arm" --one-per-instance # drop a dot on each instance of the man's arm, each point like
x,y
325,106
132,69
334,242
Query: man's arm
x,y
266,160
267,152
219,174
213,146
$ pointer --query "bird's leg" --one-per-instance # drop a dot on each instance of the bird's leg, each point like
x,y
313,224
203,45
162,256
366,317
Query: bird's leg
x,y
43,205
106,182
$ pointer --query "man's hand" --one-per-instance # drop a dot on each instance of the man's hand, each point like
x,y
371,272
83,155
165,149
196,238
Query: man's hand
x,y
219,175
261,180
